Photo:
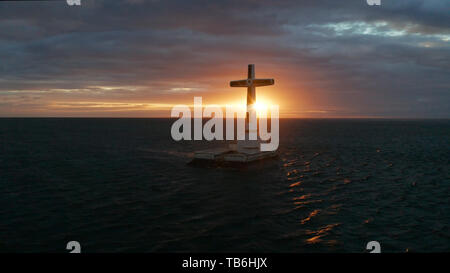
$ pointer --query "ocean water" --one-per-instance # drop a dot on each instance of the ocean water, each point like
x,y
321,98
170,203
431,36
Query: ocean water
x,y
123,185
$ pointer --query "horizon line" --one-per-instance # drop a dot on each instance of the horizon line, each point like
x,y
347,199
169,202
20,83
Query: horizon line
x,y
108,117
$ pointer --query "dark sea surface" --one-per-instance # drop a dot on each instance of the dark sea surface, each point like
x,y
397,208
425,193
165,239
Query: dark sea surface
x,y
123,185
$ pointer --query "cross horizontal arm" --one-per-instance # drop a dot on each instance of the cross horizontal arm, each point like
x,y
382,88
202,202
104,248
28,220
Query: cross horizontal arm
x,y
263,82
241,83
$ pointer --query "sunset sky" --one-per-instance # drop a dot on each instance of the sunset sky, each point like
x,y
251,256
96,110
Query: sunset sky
x,y
134,58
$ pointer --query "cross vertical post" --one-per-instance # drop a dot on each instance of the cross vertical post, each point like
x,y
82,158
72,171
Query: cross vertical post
x,y
251,83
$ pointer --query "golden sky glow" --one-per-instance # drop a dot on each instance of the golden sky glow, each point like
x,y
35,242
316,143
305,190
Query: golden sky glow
x,y
100,61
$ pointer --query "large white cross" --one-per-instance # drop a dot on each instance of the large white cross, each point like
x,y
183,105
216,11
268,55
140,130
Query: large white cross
x,y
251,83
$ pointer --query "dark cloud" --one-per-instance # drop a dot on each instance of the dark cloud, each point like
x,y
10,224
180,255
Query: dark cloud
x,y
392,60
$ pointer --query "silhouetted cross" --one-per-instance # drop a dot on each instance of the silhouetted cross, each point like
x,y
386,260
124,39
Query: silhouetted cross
x,y
251,83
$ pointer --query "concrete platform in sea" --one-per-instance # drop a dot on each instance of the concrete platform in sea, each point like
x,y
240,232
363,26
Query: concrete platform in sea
x,y
231,155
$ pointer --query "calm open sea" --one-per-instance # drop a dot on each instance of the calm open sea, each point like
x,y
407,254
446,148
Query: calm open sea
x,y
123,185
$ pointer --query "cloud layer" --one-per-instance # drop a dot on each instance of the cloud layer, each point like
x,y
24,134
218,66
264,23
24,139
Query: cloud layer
x,y
136,58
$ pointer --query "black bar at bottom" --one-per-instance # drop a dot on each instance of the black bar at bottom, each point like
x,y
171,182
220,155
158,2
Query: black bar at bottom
x,y
222,262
